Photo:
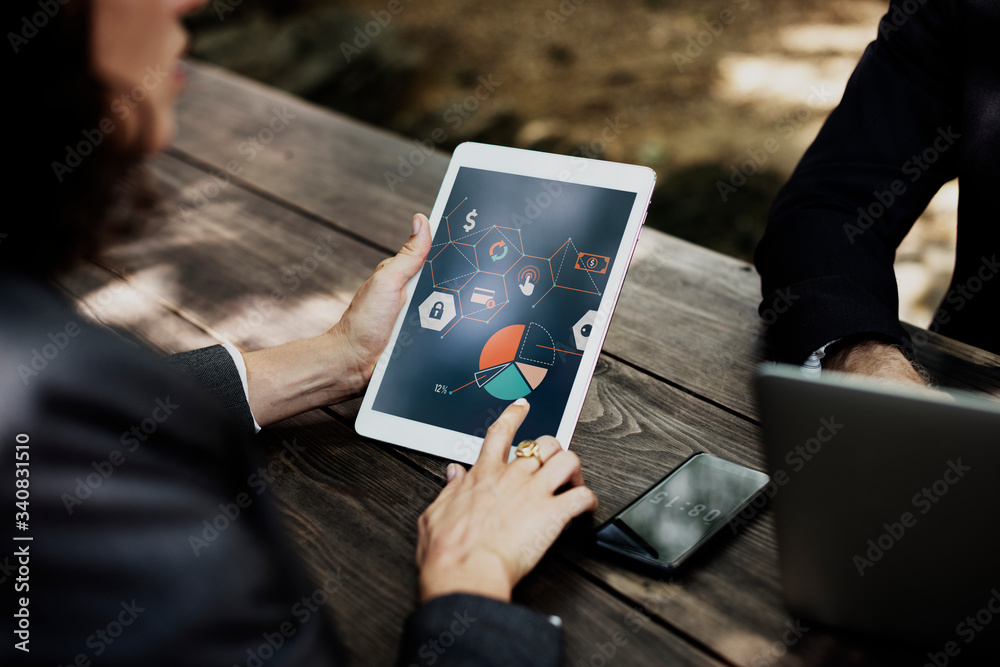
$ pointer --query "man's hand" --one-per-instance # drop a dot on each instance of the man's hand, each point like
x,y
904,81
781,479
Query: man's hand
x,y
875,360
368,321
491,525
305,374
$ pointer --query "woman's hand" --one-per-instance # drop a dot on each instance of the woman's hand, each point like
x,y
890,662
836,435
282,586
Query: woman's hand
x,y
305,374
491,525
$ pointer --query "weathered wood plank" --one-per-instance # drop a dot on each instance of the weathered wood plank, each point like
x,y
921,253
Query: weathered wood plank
x,y
289,148
350,507
955,364
115,303
299,276
632,431
633,428
687,314
260,270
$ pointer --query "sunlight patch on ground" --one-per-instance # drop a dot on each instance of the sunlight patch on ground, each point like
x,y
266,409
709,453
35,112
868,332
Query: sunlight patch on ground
x,y
750,649
772,79
258,321
130,305
926,258
822,39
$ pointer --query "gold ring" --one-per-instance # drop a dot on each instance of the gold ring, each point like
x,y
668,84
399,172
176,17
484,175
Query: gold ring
x,y
529,448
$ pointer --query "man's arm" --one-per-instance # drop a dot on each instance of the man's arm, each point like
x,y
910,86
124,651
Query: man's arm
x,y
214,369
483,632
150,515
873,358
282,381
879,159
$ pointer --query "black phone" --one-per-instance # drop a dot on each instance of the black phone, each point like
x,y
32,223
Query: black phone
x,y
667,523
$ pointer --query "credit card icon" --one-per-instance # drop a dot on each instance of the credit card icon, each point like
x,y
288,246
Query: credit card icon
x,y
484,296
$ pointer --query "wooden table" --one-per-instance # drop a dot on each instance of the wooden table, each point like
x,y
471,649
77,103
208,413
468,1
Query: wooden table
x,y
261,185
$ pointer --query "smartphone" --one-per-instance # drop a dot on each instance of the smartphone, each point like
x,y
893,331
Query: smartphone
x,y
666,524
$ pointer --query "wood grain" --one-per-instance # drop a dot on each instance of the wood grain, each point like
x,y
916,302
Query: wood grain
x,y
352,508
633,429
687,314
325,164
109,300
954,364
274,252
297,276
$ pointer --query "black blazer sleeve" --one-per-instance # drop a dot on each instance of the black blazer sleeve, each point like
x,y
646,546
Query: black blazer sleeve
x,y
826,259
472,631
154,537
155,541
214,370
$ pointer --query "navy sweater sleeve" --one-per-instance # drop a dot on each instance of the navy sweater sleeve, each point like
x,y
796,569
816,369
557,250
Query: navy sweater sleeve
x,y
472,631
880,157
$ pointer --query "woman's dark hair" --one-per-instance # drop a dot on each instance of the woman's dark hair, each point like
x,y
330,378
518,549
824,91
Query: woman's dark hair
x,y
72,189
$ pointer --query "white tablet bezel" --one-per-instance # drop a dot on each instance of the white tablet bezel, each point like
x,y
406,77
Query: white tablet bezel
x,y
457,446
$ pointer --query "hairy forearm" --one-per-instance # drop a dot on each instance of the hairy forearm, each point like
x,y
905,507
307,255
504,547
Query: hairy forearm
x,y
873,359
290,379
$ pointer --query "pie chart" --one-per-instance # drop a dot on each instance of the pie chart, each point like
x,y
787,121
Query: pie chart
x,y
515,360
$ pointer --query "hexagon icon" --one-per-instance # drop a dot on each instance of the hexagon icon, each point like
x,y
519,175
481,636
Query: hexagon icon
x,y
498,250
453,265
583,328
437,310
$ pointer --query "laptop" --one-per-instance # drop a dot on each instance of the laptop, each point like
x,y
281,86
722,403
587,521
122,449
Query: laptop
x,y
887,503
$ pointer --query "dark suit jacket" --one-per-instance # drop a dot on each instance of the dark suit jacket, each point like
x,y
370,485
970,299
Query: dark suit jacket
x,y
922,107
133,561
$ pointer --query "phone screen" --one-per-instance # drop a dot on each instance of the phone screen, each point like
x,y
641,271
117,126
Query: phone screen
x,y
682,510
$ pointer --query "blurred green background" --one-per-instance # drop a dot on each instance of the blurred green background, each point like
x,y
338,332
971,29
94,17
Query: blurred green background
x,y
721,97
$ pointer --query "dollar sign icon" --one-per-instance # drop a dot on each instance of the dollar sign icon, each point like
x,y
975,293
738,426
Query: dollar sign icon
x,y
469,219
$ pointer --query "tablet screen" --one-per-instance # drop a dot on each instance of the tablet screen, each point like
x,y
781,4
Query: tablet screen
x,y
505,303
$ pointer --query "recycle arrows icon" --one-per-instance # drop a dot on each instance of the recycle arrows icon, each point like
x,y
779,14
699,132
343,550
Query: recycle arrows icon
x,y
500,255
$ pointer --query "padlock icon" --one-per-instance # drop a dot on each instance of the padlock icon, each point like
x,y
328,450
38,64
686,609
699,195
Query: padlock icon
x,y
437,310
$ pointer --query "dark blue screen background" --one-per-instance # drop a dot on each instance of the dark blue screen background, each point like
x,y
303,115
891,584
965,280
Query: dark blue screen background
x,y
544,224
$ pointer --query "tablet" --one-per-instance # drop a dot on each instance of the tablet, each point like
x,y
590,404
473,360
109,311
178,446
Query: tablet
x,y
514,300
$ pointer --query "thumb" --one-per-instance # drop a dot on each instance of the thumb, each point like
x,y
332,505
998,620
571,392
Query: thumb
x,y
411,256
455,473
